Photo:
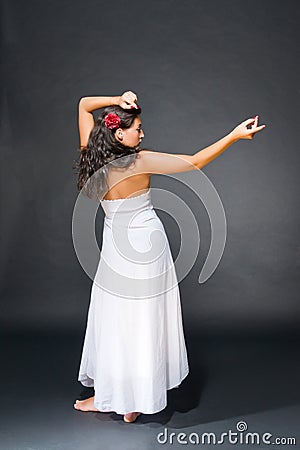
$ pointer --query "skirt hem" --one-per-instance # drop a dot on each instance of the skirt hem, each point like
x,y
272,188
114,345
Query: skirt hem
x,y
152,411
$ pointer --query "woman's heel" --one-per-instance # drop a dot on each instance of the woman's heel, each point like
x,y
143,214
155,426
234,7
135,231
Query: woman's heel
x,y
131,417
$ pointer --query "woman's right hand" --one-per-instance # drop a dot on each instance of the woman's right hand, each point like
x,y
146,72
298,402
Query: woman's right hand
x,y
242,132
128,100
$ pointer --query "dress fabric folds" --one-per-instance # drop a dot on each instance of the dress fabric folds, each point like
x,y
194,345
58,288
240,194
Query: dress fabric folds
x,y
134,348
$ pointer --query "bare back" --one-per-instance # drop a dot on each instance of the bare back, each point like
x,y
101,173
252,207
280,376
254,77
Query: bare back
x,y
126,184
135,180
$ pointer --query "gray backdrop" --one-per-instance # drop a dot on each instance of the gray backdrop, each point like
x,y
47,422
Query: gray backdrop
x,y
199,68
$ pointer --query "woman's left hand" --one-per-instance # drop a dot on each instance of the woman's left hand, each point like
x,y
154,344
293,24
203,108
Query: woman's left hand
x,y
128,100
243,132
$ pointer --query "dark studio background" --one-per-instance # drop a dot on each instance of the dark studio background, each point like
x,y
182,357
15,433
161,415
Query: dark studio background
x,y
199,68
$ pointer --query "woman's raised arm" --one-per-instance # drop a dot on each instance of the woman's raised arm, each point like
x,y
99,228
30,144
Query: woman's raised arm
x,y
159,163
88,104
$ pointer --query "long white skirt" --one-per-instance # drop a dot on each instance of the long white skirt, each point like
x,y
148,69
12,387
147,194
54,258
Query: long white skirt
x,y
134,348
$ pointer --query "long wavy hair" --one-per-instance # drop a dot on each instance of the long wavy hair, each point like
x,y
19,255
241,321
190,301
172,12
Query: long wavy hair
x,y
103,148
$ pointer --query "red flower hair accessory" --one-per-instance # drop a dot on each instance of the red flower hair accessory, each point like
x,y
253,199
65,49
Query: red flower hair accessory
x,y
112,121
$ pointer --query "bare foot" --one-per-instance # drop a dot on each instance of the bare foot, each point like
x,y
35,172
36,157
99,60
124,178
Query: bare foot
x,y
87,405
131,417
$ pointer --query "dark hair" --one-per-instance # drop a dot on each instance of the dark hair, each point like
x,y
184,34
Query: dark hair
x,y
103,148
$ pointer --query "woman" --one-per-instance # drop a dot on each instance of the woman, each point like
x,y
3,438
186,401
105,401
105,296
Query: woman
x,y
134,348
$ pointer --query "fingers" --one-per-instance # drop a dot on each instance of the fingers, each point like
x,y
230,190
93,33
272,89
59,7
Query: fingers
x,y
132,95
254,124
130,99
255,130
261,127
248,121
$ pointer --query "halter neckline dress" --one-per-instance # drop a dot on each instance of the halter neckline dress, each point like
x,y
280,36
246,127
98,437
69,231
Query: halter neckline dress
x,y
134,348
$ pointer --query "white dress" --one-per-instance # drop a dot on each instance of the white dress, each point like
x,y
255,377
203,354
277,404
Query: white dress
x,y
134,347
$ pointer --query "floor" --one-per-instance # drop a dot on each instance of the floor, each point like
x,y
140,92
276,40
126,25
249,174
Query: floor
x,y
252,379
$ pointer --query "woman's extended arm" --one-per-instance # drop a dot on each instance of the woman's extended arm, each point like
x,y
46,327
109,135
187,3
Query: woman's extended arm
x,y
88,104
156,162
205,156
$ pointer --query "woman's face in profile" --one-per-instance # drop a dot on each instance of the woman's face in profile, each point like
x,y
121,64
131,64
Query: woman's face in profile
x,y
132,137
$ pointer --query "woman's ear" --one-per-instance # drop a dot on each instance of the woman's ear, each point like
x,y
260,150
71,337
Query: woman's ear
x,y
119,134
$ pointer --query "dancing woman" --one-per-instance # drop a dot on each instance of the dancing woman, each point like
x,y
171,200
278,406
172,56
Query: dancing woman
x,y
134,347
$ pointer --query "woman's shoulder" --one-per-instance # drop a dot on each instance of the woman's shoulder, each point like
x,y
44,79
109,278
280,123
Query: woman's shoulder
x,y
140,161
152,162
144,152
